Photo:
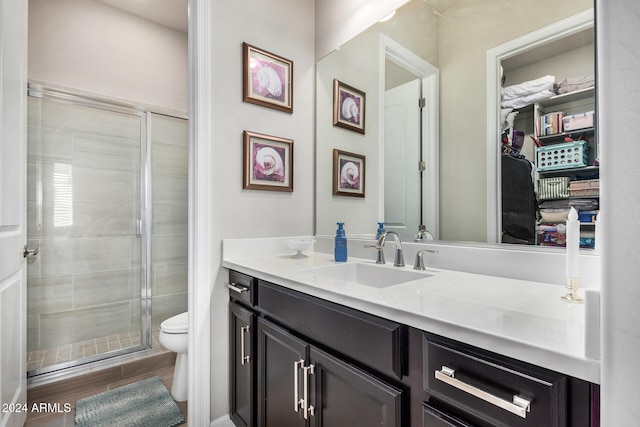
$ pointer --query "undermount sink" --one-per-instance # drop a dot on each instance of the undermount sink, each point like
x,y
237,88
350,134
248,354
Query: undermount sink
x,y
373,275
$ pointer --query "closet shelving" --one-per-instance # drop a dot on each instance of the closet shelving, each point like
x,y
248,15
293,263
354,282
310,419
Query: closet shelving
x,y
577,102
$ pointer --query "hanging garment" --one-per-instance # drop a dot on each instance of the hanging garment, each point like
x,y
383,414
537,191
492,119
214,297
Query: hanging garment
x,y
519,205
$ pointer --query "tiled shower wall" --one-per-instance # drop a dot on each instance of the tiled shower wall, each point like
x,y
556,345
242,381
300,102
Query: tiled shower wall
x,y
169,168
83,202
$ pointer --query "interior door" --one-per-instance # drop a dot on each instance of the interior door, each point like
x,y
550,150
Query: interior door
x,y
402,198
13,108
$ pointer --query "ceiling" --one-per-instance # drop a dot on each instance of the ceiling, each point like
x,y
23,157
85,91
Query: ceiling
x,y
170,13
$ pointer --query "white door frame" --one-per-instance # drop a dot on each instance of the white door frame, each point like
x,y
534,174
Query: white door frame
x,y
566,27
403,57
200,208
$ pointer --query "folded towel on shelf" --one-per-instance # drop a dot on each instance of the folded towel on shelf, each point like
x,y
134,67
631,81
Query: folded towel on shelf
x,y
525,100
572,84
522,94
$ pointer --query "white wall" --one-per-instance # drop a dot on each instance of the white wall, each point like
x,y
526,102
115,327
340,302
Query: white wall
x,y
338,21
89,46
618,38
286,28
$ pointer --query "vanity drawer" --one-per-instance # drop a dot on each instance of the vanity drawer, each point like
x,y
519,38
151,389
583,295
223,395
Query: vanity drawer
x,y
432,417
378,343
242,288
496,390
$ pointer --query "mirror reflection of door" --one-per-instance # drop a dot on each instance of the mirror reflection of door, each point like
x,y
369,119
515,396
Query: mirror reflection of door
x,y
410,142
402,154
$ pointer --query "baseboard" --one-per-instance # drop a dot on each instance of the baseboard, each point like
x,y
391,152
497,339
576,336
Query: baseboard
x,y
223,421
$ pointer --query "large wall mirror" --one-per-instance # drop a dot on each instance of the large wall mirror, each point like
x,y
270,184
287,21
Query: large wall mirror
x,y
441,47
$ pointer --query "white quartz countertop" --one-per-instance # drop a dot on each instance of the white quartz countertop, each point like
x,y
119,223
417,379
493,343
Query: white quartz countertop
x,y
521,319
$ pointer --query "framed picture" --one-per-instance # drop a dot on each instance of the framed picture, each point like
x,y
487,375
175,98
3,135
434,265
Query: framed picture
x,y
348,174
268,162
348,107
268,79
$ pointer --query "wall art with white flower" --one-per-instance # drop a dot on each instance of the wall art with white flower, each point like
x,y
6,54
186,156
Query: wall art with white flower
x,y
348,174
268,162
267,79
348,107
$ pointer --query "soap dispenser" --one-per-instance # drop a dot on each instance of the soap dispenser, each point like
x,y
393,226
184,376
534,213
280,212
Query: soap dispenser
x,y
340,251
380,231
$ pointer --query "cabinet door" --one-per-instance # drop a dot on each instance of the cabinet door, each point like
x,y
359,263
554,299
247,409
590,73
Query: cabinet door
x,y
343,395
280,360
241,365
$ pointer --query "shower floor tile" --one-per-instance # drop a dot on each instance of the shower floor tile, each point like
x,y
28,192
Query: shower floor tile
x,y
42,358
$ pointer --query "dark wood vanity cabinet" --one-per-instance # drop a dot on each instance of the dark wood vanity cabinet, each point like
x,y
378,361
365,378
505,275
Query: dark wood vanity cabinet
x,y
242,326
294,361
297,360
301,385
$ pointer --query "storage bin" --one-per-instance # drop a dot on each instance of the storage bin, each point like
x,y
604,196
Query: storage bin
x,y
577,121
553,188
562,156
585,184
584,188
587,216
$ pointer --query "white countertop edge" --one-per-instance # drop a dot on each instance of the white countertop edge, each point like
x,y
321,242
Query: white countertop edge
x,y
583,368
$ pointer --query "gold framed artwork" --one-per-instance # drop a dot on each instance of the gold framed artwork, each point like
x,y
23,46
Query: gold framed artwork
x,y
267,162
349,106
267,79
348,174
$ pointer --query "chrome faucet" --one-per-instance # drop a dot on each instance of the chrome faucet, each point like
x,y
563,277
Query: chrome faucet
x,y
423,234
399,257
419,264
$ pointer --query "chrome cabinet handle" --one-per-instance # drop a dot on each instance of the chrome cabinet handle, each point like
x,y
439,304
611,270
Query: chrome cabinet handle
x,y
237,288
243,331
520,406
297,402
307,409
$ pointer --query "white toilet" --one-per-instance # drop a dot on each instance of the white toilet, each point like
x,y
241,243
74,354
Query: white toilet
x,y
174,336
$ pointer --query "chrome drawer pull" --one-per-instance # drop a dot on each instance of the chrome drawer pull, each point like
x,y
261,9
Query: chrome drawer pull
x,y
520,405
237,288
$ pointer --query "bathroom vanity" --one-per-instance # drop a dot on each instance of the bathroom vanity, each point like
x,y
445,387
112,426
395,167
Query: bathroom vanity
x,y
317,343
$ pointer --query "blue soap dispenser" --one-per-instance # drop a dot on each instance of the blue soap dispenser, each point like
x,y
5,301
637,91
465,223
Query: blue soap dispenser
x,y
380,231
340,252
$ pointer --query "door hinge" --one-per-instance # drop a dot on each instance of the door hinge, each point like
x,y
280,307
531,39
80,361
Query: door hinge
x,y
422,102
139,227
422,166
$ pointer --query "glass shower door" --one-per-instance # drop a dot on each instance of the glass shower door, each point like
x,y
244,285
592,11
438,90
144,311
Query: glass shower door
x,y
86,287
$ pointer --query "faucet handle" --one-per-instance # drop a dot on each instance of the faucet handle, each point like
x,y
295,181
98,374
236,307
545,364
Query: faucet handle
x,y
380,256
419,264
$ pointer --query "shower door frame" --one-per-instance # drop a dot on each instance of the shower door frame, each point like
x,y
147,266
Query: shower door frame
x,y
143,225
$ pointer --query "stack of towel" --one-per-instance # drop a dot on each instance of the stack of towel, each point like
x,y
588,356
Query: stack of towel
x,y
523,94
571,84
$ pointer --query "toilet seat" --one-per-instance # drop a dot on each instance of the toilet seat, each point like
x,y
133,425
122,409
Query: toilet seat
x,y
178,324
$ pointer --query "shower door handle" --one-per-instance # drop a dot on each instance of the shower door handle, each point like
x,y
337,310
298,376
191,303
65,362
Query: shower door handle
x,y
26,252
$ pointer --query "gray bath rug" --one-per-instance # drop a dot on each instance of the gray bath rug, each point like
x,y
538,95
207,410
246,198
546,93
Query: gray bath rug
x,y
140,404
